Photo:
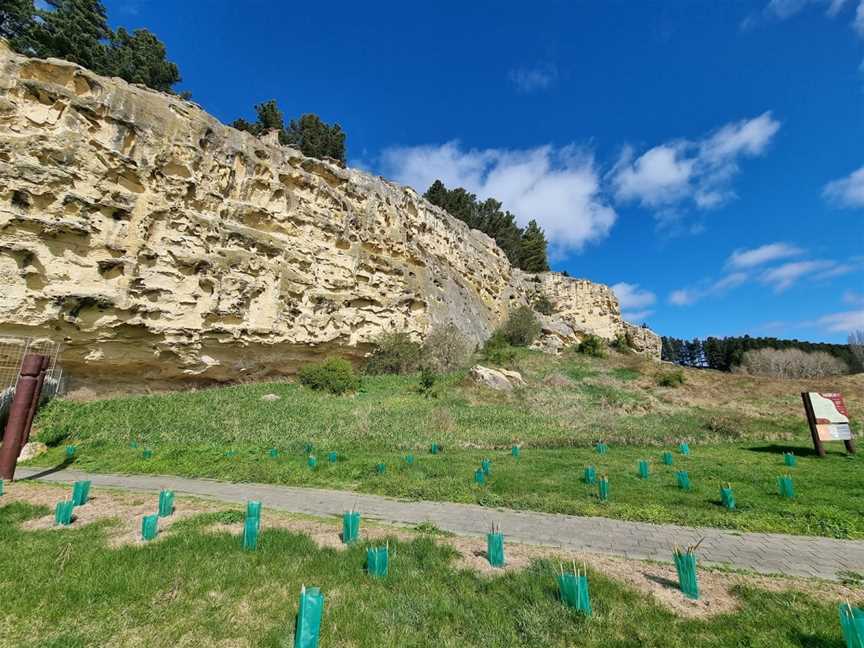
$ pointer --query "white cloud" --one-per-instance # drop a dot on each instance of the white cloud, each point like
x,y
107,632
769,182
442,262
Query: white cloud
x,y
762,254
844,322
533,78
785,276
674,173
848,191
687,296
858,24
853,297
559,188
635,302
784,9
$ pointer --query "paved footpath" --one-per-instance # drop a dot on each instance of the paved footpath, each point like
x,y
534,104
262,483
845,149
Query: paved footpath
x,y
766,553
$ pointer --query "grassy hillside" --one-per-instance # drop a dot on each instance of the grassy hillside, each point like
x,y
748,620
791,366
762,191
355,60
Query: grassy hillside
x,y
737,426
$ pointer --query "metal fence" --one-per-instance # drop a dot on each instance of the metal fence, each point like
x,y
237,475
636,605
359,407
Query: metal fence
x,y
12,352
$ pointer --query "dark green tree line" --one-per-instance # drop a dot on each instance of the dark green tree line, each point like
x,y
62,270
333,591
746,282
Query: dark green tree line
x,y
525,248
725,353
77,31
309,134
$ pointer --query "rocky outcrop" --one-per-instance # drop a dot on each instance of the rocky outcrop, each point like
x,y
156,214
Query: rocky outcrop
x,y
159,244
497,379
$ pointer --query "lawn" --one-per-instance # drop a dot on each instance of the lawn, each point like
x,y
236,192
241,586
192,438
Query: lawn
x,y
227,433
194,587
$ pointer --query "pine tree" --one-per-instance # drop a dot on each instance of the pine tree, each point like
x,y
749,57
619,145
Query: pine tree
x,y
75,30
533,249
18,24
315,138
139,57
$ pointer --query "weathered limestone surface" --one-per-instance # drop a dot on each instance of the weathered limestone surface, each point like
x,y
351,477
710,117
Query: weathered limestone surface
x,y
161,245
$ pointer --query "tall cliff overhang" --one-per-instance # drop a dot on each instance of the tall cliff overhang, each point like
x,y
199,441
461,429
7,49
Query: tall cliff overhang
x,y
158,244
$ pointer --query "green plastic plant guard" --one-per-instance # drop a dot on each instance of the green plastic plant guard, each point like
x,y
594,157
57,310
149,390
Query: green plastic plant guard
x,y
573,589
643,469
479,476
495,548
333,457
667,458
486,466
308,448
727,497
685,565
80,493
516,451
350,526
250,532
590,476
601,448
381,468
409,459
231,453
63,513
1,486
133,445
785,486
147,454
166,503
70,452
377,559
149,527
852,623
603,489
309,618
434,449
273,452
312,461
684,449
253,509
790,459
683,480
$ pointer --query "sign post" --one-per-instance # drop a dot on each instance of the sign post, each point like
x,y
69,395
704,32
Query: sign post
x,y
828,420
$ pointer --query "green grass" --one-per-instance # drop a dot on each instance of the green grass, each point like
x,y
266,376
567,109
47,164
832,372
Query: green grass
x,y
190,434
68,588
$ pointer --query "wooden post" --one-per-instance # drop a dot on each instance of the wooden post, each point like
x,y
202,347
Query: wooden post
x,y
811,421
19,414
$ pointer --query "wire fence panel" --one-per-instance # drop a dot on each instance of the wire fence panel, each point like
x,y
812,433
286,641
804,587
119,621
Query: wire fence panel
x,y
12,352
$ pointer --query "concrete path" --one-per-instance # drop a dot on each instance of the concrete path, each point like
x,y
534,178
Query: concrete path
x,y
766,553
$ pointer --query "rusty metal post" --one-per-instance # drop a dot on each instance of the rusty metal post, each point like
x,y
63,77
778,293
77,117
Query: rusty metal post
x,y
19,414
37,396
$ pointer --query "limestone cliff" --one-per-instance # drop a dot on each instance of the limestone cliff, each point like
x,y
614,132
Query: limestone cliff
x,y
159,244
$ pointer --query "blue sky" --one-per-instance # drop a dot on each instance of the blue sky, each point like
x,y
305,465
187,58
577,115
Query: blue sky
x,y
705,158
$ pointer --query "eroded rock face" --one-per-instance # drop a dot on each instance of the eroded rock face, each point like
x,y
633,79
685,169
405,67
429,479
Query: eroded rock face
x,y
161,245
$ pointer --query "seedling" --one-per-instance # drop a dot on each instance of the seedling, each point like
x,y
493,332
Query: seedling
x,y
377,560
495,546
852,623
685,564
251,526
684,449
643,469
516,451
590,476
727,497
63,513
683,480
312,462
309,618
486,466
80,493
601,448
479,476
381,468
149,527
332,457
350,526
784,485
70,452
573,589
166,503
667,458
603,489
790,459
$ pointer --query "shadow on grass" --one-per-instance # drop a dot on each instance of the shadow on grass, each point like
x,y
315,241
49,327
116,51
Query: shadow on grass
x,y
815,641
774,448
50,471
